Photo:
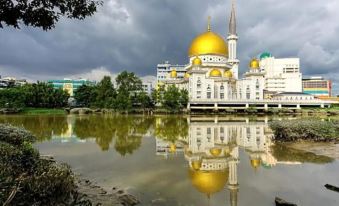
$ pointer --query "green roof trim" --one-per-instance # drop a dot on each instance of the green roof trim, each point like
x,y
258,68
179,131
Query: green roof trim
x,y
265,55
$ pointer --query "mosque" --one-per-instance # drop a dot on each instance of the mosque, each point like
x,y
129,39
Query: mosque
x,y
212,76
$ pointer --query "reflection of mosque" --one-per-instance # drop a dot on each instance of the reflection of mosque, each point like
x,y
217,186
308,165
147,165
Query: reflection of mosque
x,y
212,151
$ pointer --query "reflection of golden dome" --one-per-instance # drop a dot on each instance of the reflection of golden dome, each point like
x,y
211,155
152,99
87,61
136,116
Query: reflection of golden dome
x,y
215,73
255,163
254,64
209,182
173,73
215,152
172,148
228,74
187,75
197,61
208,43
196,165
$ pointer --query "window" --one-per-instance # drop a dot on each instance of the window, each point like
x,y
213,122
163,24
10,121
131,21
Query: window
x,y
199,83
208,95
257,84
248,93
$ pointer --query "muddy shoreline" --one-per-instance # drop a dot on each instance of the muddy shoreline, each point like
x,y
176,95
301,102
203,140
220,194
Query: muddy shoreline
x,y
329,149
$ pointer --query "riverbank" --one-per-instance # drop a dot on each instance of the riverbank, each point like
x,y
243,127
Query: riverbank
x,y
329,149
26,178
333,111
306,130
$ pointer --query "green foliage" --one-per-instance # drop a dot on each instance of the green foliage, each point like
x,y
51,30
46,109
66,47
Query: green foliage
x,y
306,129
105,93
128,82
85,95
12,98
174,99
36,181
43,95
43,14
129,94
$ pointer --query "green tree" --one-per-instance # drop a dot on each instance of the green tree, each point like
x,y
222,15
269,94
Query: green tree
x,y
44,95
12,98
105,93
144,100
44,14
85,95
174,99
128,82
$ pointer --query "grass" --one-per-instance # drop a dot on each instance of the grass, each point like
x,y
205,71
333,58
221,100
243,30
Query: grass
x,y
42,111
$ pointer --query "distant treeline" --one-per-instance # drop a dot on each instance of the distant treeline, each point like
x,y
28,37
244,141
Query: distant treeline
x,y
39,95
127,95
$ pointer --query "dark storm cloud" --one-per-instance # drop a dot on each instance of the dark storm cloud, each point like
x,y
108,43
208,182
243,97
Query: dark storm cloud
x,y
136,35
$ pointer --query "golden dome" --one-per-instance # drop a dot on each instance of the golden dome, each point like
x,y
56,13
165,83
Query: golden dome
x,y
196,165
228,74
215,152
173,73
209,182
197,61
172,148
187,75
215,73
255,163
208,43
254,64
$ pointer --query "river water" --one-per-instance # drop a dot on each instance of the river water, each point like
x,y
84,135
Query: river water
x,y
177,160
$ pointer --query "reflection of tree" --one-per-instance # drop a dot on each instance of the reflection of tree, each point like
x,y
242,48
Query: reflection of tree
x,y
282,153
127,131
43,127
171,128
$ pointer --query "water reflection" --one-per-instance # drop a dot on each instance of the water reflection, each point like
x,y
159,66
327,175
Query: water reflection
x,y
209,145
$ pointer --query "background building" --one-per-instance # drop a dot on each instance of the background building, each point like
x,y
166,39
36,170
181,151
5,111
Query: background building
x,y
7,82
165,69
70,85
317,86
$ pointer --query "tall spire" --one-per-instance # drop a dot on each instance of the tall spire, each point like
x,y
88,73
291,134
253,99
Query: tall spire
x,y
233,24
209,23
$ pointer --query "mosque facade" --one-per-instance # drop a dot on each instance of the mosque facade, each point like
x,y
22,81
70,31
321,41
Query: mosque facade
x,y
212,73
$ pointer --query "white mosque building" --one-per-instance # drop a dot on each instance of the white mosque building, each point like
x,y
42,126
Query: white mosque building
x,y
212,76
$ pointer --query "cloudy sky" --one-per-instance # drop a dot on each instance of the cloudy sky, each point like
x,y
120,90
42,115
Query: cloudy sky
x,y
135,35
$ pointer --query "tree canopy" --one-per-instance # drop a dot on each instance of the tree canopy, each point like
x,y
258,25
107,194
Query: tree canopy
x,y
44,13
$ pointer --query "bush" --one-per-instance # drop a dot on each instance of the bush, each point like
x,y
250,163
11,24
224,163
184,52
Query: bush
x,y
305,129
36,181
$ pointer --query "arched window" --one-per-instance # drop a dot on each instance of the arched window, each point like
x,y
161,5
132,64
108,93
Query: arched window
x,y
257,84
248,92
199,83
222,92
209,91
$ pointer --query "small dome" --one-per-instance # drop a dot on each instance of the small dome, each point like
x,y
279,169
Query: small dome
x,y
215,152
174,73
255,163
196,165
254,64
215,73
187,75
228,74
172,148
197,61
265,55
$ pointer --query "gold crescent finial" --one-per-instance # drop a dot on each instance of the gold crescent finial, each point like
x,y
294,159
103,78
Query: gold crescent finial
x,y
209,23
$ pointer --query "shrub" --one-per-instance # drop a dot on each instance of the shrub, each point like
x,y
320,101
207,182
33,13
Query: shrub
x,y
36,181
306,129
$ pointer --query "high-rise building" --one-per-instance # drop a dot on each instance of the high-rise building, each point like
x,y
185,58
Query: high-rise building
x,y
317,86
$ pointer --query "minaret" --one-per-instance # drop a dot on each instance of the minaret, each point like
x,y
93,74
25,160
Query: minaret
x,y
232,39
233,185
